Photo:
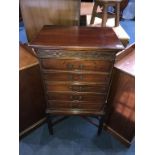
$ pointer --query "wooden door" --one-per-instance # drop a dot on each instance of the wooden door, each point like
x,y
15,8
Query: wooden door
x,y
120,120
31,94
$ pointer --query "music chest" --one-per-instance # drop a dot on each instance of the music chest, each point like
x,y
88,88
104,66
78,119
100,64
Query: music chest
x,y
76,64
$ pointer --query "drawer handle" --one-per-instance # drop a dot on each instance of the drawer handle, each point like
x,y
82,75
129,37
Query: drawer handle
x,y
77,88
81,77
80,98
70,77
81,66
70,66
76,98
75,105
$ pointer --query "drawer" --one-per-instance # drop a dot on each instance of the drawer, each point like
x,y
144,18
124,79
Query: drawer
x,y
78,87
88,65
73,76
73,96
58,105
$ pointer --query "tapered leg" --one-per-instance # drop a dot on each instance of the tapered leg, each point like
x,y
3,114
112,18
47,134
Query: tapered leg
x,y
117,14
49,123
93,13
100,125
104,15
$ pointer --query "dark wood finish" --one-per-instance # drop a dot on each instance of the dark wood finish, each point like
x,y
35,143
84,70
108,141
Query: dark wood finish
x,y
121,119
31,94
37,13
100,125
76,86
50,124
77,38
71,64
76,55
75,105
74,96
122,54
76,76
104,4
126,60
86,0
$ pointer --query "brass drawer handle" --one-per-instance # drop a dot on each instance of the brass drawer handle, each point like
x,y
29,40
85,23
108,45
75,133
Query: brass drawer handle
x,y
76,98
75,105
77,88
80,98
70,66
70,77
81,66
81,77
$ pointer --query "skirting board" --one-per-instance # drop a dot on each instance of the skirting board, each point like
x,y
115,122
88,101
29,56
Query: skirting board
x,y
118,136
32,127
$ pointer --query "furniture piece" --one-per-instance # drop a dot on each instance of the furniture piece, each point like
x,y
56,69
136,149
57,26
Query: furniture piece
x,y
36,13
121,118
76,65
104,4
87,7
31,92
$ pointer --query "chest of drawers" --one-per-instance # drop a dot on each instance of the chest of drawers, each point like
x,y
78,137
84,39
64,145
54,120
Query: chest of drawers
x,y
76,65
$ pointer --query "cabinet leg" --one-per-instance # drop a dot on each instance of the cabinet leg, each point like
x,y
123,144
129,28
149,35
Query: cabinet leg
x,y
93,13
49,123
100,125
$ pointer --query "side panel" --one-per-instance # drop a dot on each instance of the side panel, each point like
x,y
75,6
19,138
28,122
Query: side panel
x,y
121,112
31,98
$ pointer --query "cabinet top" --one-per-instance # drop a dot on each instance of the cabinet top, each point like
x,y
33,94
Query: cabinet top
x,y
74,37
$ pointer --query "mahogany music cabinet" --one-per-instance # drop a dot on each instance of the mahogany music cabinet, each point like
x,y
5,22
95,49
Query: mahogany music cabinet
x,y
76,65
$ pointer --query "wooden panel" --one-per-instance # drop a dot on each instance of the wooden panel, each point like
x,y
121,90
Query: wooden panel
x,y
73,37
73,96
76,76
121,112
76,86
37,13
126,60
26,59
31,94
62,105
88,65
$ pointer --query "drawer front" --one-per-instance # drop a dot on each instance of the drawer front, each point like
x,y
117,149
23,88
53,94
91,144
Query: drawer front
x,y
80,77
77,87
58,105
90,97
88,65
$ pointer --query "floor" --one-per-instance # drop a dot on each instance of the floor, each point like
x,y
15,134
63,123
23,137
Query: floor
x,y
74,136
